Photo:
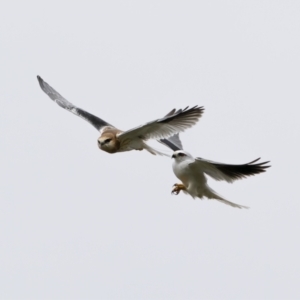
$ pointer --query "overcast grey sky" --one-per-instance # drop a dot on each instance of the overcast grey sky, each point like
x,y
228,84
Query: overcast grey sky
x,y
78,223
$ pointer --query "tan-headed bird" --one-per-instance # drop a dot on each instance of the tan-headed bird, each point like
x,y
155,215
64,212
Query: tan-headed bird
x,y
113,140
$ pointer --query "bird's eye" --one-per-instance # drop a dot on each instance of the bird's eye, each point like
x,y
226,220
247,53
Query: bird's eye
x,y
181,154
107,141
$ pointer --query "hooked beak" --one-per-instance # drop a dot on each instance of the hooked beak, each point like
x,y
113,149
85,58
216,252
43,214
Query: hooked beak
x,y
173,156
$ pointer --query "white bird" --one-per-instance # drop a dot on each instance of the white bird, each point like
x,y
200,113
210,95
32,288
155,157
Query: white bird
x,y
192,172
114,140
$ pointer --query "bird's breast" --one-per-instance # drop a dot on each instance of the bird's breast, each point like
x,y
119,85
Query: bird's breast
x,y
181,170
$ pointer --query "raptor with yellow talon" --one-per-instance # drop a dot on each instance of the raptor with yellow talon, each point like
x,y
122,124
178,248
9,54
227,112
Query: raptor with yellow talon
x,y
192,172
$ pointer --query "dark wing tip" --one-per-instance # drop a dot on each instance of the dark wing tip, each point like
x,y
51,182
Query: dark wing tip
x,y
199,110
171,112
41,81
196,108
252,168
242,171
261,165
193,114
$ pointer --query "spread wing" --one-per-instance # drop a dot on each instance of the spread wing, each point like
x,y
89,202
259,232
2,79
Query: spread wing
x,y
229,173
173,142
172,123
61,101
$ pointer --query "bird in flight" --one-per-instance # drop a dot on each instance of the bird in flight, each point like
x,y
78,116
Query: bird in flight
x,y
113,140
192,172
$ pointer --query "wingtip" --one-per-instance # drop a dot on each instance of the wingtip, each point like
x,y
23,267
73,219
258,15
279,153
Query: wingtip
x,y
39,78
243,206
196,108
199,109
259,163
253,161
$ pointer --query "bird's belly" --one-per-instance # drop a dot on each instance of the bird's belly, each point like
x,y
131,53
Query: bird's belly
x,y
196,190
135,144
182,172
198,185
193,180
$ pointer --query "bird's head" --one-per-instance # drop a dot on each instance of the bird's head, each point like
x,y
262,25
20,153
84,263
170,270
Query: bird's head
x,y
180,155
108,142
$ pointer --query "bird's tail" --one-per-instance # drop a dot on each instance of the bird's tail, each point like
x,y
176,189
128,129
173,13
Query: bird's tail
x,y
154,151
211,194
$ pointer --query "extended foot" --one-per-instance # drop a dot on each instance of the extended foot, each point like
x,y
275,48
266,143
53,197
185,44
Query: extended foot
x,y
177,187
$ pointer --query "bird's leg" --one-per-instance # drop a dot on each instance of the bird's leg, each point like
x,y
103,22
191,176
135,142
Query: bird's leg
x,y
177,187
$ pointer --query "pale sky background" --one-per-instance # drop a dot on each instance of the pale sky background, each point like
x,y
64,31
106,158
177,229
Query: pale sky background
x,y
78,223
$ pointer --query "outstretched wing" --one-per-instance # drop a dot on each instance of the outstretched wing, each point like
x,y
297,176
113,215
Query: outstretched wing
x,y
229,173
61,101
173,142
172,123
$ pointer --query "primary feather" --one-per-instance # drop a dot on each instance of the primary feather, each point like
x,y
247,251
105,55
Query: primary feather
x,y
172,123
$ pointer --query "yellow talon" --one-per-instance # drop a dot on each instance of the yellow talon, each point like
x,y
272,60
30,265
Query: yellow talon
x,y
177,187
